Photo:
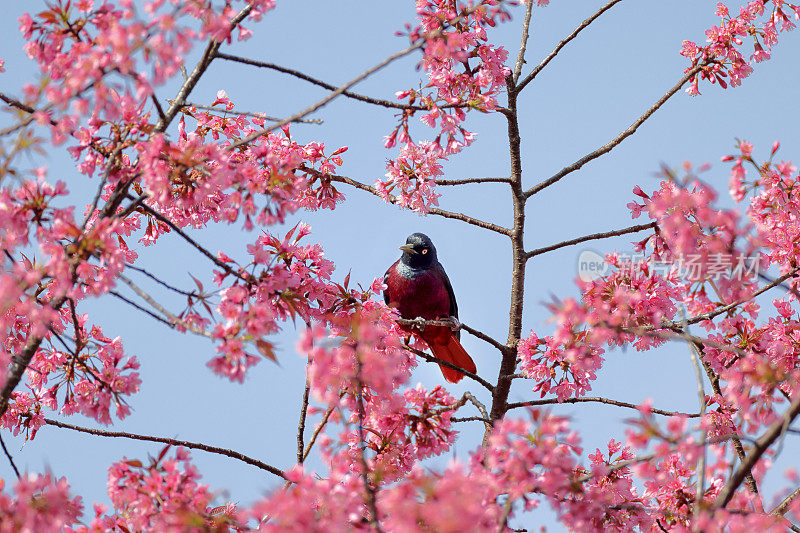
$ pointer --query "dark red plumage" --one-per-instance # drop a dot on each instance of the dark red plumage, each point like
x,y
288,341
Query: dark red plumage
x,y
417,285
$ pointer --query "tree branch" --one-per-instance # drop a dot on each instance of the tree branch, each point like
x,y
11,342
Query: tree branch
x,y
8,456
465,181
317,82
597,399
592,237
761,446
526,25
450,324
393,200
173,442
448,364
563,43
613,143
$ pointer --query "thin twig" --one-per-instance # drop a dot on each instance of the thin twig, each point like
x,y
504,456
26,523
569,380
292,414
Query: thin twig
x,y
417,322
301,426
421,42
369,490
317,431
249,113
592,237
448,364
466,181
563,43
526,25
159,280
701,461
726,308
393,200
193,243
613,143
174,442
8,455
597,399
782,507
319,83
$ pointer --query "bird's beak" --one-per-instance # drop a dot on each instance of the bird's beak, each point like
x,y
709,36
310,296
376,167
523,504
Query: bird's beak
x,y
408,248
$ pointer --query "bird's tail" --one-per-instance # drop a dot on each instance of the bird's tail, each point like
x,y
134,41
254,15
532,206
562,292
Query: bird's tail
x,y
446,347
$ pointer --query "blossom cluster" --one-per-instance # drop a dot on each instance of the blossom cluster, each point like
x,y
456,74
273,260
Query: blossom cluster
x,y
721,58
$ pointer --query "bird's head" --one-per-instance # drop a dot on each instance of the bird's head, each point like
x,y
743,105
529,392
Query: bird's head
x,y
418,251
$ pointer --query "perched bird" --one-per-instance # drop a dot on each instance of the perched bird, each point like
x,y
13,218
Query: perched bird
x,y
417,285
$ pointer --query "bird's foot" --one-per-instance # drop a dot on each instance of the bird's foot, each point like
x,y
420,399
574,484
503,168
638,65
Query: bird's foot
x,y
420,323
455,325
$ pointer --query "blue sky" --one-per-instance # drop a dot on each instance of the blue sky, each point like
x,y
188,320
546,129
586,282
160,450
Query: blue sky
x,y
594,89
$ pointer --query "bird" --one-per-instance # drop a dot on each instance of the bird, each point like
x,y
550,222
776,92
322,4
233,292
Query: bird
x,y
418,287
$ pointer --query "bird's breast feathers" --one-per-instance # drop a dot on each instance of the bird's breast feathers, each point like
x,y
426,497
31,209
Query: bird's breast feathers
x,y
417,293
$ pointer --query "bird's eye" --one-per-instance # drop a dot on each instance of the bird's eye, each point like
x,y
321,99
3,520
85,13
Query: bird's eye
x,y
424,251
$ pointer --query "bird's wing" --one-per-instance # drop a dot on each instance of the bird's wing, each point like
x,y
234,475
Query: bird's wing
x,y
386,281
450,293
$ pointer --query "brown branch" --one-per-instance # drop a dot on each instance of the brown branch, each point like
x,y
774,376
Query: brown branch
x,y
465,181
301,425
713,378
455,326
247,113
227,269
13,102
592,237
393,200
613,143
448,364
782,507
761,446
726,308
367,73
317,431
597,399
526,26
9,457
369,490
174,442
317,82
563,43
199,69
508,362
323,102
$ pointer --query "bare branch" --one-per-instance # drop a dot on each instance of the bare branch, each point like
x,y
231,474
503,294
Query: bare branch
x,y
317,82
301,426
597,399
448,364
367,73
8,456
613,143
447,323
317,431
526,25
782,507
193,243
321,103
465,181
761,446
174,442
393,200
563,43
199,69
701,460
369,490
248,114
726,308
592,237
